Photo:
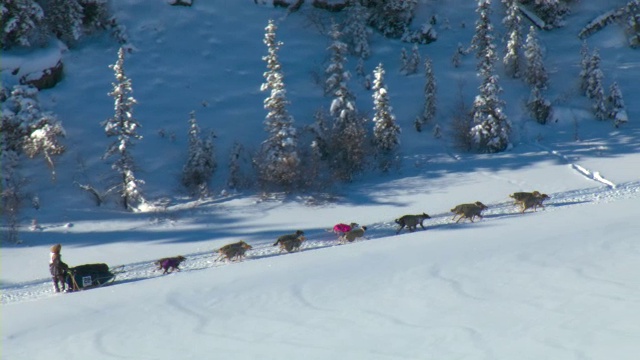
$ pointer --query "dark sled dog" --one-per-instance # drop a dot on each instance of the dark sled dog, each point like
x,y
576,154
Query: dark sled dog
x,y
170,264
290,242
533,201
468,211
233,251
411,222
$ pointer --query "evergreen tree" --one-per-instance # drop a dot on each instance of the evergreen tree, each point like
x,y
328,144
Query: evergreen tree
x,y
404,61
594,76
483,39
64,18
10,195
95,14
539,107
201,163
536,76
597,95
513,58
491,129
414,60
585,61
385,130
595,87
44,139
392,17
20,20
552,12
618,113
278,160
345,141
535,73
124,127
29,130
337,75
429,111
356,30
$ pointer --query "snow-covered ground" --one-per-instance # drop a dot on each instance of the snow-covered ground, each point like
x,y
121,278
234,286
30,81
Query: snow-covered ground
x,y
560,283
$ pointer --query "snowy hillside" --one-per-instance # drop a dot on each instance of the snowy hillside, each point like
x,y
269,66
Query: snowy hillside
x,y
558,283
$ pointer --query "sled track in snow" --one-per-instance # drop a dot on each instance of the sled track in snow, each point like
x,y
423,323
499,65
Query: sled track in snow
x,y
42,288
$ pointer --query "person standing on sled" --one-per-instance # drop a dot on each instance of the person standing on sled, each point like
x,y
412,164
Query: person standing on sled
x,y
58,269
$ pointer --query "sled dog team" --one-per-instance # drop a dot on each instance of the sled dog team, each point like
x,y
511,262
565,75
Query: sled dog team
x,y
351,232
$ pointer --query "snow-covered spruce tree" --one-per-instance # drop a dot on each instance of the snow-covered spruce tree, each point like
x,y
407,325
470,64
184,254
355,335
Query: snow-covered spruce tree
x,y
345,140
10,195
278,162
618,112
483,40
96,14
336,74
429,110
513,54
539,107
124,127
20,20
593,74
595,87
44,139
64,18
491,128
386,132
392,17
552,12
632,23
536,76
413,63
201,162
321,131
404,61
535,72
585,62
409,64
29,130
598,98
356,30
599,105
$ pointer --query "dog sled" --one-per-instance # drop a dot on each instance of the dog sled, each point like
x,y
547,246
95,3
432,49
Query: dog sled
x,y
90,276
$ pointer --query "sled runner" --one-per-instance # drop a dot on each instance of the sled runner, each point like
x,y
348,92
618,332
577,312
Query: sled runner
x,y
89,276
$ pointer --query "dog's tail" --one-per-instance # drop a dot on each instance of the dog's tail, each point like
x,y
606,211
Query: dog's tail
x,y
276,243
398,221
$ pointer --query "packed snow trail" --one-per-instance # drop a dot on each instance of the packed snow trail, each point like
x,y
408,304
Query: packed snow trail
x,y
320,238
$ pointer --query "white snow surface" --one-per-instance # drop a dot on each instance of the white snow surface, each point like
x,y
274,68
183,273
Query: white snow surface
x,y
559,283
